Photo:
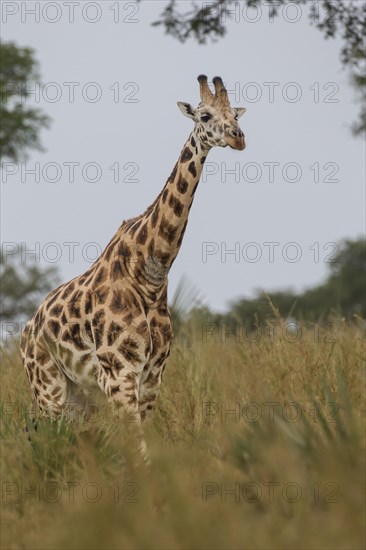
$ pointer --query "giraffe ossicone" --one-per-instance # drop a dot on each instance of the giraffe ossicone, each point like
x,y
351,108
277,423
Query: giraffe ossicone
x,y
109,330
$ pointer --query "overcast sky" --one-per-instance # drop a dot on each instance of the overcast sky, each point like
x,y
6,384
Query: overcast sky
x,y
300,179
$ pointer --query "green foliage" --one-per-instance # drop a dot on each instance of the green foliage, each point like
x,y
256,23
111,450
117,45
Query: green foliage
x,y
359,83
23,286
20,123
200,23
330,424
342,18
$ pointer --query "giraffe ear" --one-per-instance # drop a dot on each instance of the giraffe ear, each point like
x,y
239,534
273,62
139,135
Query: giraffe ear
x,y
187,109
240,111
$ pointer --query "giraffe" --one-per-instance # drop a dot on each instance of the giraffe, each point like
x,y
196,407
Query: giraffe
x,y
109,330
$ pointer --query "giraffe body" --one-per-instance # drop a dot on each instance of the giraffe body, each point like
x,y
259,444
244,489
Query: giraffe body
x,y
97,332
109,330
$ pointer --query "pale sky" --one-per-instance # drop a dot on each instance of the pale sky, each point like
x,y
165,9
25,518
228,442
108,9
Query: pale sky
x,y
300,179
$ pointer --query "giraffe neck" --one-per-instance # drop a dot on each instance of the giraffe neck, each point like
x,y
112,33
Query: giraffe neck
x,y
157,235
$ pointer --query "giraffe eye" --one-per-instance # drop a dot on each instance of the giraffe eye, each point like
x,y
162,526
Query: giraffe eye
x,y
205,118
236,117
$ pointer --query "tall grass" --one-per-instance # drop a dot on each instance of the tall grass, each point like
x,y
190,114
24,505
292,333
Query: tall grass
x,y
257,441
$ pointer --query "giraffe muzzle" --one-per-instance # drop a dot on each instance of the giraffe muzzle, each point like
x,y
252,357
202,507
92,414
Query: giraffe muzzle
x,y
235,139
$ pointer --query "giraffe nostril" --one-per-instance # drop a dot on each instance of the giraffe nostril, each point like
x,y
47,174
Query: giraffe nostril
x,y
237,133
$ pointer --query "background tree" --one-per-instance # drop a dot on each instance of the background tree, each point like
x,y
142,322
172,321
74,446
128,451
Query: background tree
x,y
343,18
23,286
342,294
347,280
20,124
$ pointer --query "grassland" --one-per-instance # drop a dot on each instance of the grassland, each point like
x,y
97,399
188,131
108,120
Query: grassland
x,y
256,443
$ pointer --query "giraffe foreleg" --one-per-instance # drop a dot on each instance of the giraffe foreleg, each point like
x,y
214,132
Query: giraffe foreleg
x,y
48,384
120,383
150,384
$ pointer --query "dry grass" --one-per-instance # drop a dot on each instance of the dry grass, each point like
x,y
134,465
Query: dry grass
x,y
218,479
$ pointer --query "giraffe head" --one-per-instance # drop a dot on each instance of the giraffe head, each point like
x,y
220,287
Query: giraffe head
x,y
216,122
